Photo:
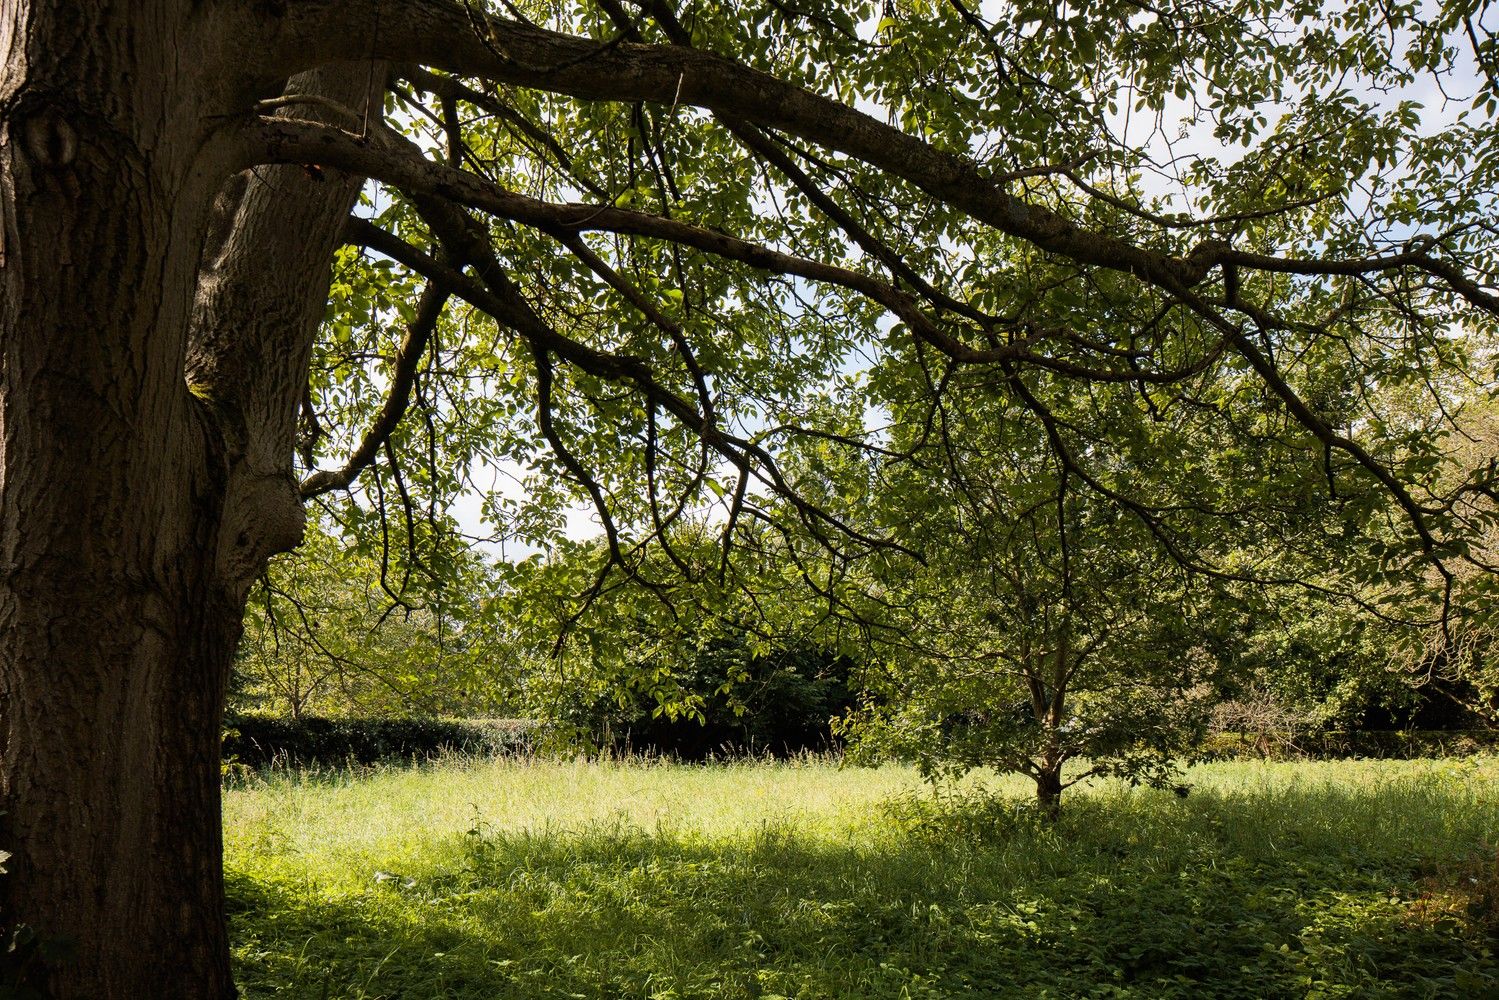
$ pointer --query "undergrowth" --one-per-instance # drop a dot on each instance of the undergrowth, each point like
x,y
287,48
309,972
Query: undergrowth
x,y
527,879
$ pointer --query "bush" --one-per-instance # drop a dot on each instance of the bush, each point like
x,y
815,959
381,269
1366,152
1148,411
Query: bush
x,y
740,703
782,706
1332,745
256,741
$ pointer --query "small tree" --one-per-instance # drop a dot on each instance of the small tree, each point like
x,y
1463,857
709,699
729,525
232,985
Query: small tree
x,y
339,629
1017,667
1045,628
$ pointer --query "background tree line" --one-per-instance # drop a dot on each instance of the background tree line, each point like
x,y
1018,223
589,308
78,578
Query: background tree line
x,y
1037,626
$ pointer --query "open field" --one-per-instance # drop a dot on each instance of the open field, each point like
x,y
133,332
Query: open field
x,y
522,879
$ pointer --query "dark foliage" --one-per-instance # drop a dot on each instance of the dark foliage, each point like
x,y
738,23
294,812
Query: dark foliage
x,y
1383,744
257,741
779,704
1444,704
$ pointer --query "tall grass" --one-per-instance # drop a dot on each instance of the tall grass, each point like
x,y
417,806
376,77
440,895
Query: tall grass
x,y
530,878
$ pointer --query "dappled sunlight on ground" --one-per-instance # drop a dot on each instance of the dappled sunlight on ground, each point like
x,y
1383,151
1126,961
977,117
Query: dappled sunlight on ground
x,y
535,879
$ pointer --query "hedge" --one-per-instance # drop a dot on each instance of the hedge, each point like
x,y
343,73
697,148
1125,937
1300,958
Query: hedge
x,y
256,741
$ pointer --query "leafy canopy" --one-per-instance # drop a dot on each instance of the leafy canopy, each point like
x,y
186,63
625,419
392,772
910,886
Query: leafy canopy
x,y
662,236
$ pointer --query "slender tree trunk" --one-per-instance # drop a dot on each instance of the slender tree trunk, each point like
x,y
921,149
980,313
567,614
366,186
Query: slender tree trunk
x,y
147,400
1048,701
1052,715
1048,779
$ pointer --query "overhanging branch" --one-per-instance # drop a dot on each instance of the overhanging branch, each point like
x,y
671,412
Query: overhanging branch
x,y
457,38
286,141
398,399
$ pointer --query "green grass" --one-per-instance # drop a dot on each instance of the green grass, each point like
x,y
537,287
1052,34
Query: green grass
x,y
529,879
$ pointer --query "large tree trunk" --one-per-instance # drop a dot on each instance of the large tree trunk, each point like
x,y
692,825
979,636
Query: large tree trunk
x,y
146,407
111,768
114,639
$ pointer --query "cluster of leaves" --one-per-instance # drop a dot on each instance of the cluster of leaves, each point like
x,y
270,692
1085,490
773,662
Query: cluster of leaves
x,y
740,703
714,663
334,630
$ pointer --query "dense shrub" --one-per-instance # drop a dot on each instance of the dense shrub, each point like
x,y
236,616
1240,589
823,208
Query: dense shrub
x,y
740,703
1370,743
256,741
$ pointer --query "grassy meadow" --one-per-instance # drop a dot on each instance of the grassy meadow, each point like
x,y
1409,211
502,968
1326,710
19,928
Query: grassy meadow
x,y
532,878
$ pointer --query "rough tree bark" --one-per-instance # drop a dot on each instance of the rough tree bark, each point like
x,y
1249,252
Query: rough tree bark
x,y
147,401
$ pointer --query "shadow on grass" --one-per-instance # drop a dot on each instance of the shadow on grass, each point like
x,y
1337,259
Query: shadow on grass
x,y
1291,894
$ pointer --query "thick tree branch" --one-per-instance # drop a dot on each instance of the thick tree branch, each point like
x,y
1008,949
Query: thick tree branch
x,y
449,36
398,398
277,140
285,141
455,37
1414,259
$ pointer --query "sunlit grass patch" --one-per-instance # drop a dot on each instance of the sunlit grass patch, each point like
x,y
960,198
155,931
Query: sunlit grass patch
x,y
542,879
